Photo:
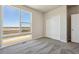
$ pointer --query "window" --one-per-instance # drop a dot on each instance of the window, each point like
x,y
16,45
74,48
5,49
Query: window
x,y
25,22
11,20
15,21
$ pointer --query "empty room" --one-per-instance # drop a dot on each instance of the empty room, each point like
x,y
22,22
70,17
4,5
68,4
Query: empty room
x,y
39,29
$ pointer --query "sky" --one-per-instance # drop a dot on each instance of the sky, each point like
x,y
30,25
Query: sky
x,y
11,17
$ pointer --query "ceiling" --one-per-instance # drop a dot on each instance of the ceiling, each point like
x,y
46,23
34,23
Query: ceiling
x,y
43,8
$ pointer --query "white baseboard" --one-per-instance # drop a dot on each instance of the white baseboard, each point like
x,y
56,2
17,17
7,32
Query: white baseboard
x,y
59,40
63,41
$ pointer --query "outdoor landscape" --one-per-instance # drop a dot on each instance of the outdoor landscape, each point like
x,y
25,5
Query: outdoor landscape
x,y
11,30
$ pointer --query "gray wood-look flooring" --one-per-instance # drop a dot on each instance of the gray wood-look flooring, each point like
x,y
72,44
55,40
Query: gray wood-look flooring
x,y
42,46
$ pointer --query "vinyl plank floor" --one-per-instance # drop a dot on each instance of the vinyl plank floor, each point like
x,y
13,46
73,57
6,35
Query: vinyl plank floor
x,y
42,46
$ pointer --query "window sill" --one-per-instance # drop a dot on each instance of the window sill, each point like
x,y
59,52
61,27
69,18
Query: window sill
x,y
12,35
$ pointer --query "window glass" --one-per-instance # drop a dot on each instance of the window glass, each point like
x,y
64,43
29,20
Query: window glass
x,y
25,21
25,16
11,20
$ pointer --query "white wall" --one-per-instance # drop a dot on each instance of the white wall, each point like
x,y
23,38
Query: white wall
x,y
62,12
37,22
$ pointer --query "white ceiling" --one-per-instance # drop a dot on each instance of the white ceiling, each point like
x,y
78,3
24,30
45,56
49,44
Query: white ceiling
x,y
43,8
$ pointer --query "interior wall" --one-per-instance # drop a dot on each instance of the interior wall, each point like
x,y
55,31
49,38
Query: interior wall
x,y
74,9
37,21
62,12
68,24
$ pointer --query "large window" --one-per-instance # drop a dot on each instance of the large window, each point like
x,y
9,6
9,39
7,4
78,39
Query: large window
x,y
15,20
11,20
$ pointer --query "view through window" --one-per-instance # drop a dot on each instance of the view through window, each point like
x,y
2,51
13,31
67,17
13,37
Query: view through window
x,y
25,22
15,20
11,20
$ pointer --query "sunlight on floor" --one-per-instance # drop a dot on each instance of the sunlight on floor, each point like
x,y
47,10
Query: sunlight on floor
x,y
14,40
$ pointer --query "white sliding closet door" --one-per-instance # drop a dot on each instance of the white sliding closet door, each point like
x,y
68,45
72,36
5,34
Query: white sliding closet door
x,y
53,27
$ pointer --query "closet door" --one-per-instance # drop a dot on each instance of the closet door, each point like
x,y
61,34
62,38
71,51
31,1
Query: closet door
x,y
75,28
53,27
